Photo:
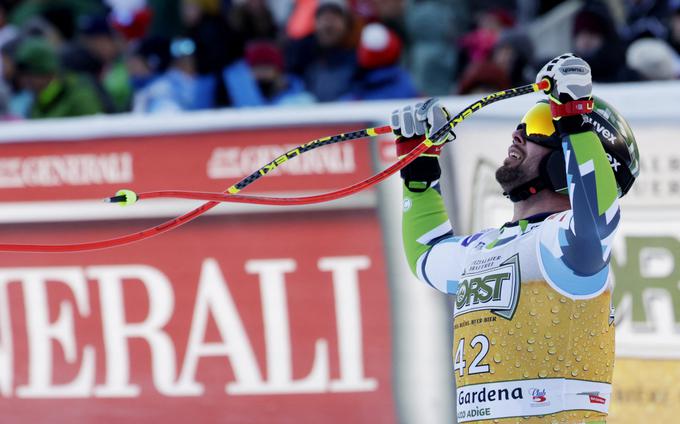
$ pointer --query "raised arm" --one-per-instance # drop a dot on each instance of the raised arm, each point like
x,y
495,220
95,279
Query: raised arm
x,y
585,243
425,223
594,202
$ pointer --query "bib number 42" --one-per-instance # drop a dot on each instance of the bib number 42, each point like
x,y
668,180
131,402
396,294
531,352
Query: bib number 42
x,y
459,363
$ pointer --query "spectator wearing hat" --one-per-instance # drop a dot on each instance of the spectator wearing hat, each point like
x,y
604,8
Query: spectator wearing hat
x,y
260,79
381,76
180,88
326,60
56,94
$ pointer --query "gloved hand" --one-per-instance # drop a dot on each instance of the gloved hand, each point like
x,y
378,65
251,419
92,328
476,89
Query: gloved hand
x,y
570,85
422,119
412,124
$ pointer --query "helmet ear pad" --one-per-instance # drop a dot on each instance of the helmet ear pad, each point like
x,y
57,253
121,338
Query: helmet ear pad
x,y
553,171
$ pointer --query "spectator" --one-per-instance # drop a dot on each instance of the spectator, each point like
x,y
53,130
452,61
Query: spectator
x,y
653,59
180,87
55,94
326,60
596,41
98,51
381,76
260,79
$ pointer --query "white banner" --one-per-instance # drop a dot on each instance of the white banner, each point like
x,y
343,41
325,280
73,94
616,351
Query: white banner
x,y
528,398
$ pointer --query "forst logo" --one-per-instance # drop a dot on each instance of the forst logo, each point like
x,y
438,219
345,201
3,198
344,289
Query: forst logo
x,y
495,288
481,289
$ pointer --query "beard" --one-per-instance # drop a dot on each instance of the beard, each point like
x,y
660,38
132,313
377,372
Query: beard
x,y
510,177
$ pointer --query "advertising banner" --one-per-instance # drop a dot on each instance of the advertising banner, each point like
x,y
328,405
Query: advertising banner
x,y
245,318
199,161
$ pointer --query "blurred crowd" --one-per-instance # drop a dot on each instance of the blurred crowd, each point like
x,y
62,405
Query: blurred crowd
x,y
79,57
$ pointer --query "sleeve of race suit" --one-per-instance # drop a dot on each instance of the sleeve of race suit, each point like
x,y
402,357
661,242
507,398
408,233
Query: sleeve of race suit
x,y
593,193
428,238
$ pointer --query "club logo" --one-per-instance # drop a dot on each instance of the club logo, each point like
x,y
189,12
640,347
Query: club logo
x,y
538,397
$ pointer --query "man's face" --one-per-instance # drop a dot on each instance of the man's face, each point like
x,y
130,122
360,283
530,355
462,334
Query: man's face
x,y
522,162
331,28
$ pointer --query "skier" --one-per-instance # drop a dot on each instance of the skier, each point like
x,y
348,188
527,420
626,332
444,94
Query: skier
x,y
533,322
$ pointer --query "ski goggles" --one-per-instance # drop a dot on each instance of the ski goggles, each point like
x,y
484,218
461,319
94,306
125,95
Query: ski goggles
x,y
537,126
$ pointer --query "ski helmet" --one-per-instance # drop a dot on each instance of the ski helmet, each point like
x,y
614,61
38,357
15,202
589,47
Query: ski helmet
x,y
611,128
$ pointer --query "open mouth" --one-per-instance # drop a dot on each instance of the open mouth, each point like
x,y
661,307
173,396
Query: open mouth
x,y
515,154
